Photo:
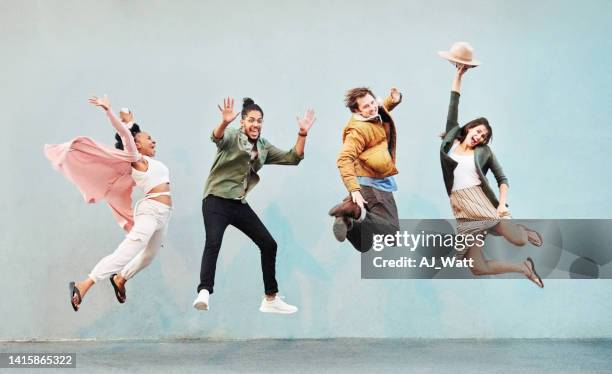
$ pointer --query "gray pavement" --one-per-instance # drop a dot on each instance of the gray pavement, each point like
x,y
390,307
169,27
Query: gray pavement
x,y
329,356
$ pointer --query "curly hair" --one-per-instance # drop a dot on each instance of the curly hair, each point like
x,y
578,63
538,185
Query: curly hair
x,y
119,143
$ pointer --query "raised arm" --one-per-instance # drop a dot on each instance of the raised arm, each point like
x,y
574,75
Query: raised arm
x,y
122,130
296,154
305,123
393,100
453,107
227,116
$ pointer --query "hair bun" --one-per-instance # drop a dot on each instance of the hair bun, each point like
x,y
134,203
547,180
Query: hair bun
x,y
135,129
247,101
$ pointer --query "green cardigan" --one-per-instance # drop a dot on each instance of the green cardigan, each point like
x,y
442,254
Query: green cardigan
x,y
483,156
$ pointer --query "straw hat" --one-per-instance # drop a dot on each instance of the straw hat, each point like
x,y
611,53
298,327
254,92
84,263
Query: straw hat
x,y
460,52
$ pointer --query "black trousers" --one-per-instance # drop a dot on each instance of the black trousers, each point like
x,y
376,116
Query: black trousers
x,y
381,218
218,214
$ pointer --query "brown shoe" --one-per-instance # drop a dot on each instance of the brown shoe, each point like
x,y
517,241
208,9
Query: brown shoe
x,y
347,208
341,227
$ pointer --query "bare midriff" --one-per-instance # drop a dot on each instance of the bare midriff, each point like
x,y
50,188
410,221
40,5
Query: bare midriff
x,y
164,187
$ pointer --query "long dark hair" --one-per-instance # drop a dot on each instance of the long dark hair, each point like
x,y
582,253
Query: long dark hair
x,y
473,123
247,105
119,143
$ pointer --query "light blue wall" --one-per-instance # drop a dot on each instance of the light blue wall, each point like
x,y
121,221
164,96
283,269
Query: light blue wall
x,y
545,85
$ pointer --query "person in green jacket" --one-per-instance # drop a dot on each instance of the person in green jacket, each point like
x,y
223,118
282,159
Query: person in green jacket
x,y
241,152
465,158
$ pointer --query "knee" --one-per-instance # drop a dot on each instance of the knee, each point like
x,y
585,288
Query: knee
x,y
269,245
138,237
212,246
129,246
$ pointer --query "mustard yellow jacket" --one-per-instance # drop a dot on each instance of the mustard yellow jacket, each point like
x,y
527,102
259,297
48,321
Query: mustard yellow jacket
x,y
366,151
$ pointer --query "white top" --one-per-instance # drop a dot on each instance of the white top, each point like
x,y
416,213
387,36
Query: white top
x,y
157,173
465,175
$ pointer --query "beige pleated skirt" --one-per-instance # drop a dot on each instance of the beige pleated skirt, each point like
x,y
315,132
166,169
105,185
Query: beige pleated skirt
x,y
473,212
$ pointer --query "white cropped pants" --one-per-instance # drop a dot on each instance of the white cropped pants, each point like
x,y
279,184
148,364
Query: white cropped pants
x,y
140,245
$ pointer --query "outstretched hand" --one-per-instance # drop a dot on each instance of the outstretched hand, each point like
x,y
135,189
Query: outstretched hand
x,y
395,94
227,112
101,102
306,121
461,69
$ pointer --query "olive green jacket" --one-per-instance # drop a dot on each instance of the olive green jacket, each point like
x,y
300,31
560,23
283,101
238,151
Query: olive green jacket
x,y
483,156
233,173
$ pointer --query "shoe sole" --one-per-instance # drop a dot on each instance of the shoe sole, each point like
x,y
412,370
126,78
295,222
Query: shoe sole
x,y
276,311
340,229
200,305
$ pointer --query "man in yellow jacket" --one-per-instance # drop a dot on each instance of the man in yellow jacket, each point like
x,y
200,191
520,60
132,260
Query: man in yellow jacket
x,y
367,166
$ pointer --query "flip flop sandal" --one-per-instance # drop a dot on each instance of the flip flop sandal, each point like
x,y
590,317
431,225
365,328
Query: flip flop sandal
x,y
74,291
534,272
118,294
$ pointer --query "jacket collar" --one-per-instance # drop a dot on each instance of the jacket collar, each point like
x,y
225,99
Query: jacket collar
x,y
375,117
246,144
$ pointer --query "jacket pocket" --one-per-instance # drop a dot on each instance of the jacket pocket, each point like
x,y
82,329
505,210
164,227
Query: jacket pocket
x,y
378,159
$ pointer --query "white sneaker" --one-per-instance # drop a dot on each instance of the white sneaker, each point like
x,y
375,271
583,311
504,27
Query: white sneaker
x,y
201,302
277,305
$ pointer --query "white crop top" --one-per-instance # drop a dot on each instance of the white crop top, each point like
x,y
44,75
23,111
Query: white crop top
x,y
465,175
157,173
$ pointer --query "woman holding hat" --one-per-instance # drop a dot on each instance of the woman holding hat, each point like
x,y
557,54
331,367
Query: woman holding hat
x,y
466,158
